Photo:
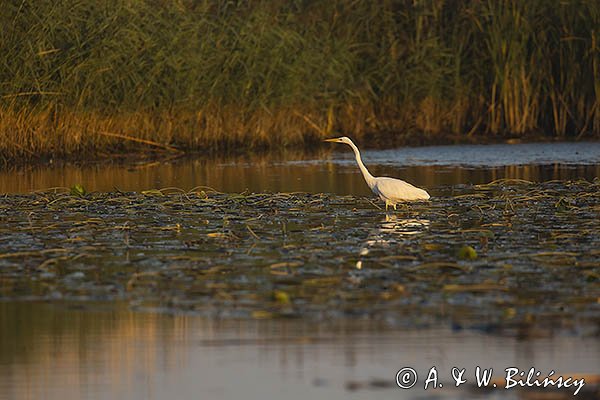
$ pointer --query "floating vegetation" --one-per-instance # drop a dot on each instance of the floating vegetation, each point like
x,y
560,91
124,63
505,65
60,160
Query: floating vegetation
x,y
467,253
78,190
527,253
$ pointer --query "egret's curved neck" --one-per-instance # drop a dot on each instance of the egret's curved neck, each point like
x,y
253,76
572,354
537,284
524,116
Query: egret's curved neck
x,y
367,175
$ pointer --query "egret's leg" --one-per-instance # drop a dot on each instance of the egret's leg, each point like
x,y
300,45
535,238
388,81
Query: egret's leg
x,y
386,205
394,206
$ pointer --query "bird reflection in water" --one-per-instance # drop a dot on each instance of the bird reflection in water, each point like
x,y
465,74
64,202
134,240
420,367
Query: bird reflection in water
x,y
403,226
388,231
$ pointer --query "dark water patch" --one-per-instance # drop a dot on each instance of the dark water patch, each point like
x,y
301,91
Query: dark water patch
x,y
496,155
264,255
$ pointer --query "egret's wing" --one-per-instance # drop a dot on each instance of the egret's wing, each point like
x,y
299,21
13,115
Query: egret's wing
x,y
397,190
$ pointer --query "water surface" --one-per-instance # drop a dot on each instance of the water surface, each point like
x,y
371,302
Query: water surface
x,y
319,294
55,352
332,171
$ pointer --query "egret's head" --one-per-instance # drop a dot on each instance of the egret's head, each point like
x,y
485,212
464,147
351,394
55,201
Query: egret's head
x,y
342,139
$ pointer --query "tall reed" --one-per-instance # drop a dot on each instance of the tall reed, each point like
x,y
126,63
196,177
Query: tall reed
x,y
79,77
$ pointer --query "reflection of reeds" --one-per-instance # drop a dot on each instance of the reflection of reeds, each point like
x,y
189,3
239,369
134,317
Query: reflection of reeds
x,y
204,75
41,342
260,172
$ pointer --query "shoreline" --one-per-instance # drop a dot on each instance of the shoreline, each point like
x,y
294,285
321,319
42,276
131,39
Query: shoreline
x,y
127,154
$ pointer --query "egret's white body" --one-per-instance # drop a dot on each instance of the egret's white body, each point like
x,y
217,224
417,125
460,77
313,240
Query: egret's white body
x,y
390,190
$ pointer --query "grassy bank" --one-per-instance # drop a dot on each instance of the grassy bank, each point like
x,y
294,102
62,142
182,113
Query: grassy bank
x,y
83,77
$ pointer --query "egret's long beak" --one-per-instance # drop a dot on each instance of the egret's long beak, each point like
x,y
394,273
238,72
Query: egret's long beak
x,y
334,140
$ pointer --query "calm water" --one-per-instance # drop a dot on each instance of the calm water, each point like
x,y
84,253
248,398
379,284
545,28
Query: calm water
x,y
332,171
106,351
53,352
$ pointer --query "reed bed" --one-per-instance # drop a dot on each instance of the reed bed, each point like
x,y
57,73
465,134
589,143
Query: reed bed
x,y
78,78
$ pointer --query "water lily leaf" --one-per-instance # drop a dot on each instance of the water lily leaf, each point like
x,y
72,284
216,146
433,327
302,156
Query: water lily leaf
x,y
466,253
78,190
281,297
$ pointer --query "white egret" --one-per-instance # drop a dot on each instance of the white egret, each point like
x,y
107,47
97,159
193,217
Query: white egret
x,y
390,190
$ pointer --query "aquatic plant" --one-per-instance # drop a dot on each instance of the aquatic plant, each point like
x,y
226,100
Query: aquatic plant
x,y
524,250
